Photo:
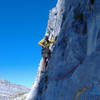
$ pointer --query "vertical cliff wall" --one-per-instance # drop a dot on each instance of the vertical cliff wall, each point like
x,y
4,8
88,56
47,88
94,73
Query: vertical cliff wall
x,y
69,68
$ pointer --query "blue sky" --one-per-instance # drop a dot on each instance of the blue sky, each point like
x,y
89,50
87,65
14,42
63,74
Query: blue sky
x,y
22,24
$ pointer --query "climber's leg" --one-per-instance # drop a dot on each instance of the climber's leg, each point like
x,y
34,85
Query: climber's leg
x,y
46,63
43,65
47,58
46,55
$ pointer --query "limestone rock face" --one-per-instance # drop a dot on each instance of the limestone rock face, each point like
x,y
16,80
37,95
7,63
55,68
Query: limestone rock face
x,y
70,74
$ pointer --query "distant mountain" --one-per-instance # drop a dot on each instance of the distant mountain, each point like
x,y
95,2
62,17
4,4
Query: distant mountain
x,y
10,91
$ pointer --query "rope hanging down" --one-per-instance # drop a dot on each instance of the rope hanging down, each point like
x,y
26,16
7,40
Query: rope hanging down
x,y
67,73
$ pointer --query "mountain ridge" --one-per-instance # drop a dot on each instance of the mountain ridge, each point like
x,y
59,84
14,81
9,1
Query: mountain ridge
x,y
8,89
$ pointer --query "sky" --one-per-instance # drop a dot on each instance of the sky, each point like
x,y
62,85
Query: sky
x,y
22,24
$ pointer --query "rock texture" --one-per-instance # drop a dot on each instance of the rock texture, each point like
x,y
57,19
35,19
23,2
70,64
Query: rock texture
x,y
9,91
69,68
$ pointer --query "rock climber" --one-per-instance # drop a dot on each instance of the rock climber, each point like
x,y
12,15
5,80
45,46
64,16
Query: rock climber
x,y
93,27
45,43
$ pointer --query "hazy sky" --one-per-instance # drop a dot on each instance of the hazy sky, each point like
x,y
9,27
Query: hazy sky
x,y
22,24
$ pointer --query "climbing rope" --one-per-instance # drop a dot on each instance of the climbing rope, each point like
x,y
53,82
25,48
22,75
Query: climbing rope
x,y
67,73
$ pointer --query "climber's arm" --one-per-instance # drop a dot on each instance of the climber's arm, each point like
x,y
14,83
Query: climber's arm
x,y
41,43
51,41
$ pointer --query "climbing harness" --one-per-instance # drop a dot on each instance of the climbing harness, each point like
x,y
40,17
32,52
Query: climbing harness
x,y
45,52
